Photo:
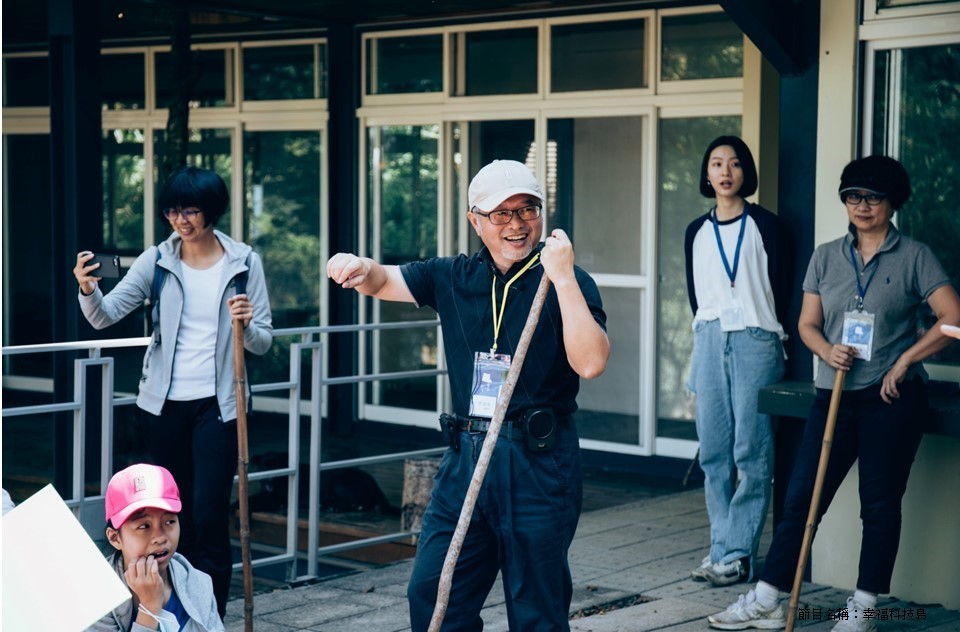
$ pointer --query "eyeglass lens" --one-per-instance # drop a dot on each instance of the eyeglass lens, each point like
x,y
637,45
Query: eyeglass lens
x,y
872,199
527,213
188,213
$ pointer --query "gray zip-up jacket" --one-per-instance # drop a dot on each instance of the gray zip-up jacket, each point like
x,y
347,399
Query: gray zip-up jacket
x,y
193,587
104,310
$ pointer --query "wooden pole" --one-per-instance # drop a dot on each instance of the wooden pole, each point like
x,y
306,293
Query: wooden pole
x,y
486,452
815,500
243,458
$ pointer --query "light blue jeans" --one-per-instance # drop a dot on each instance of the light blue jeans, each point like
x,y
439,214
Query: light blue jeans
x,y
727,372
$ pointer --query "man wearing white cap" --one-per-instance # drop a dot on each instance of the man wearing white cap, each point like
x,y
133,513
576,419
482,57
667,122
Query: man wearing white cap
x,y
529,505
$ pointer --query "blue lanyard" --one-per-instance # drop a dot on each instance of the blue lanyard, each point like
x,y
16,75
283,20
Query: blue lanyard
x,y
862,289
732,274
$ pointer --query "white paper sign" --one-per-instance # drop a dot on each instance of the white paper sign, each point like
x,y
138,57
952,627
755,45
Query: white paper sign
x,y
54,576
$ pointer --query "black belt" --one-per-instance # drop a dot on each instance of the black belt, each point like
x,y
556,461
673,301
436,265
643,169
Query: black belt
x,y
453,425
477,425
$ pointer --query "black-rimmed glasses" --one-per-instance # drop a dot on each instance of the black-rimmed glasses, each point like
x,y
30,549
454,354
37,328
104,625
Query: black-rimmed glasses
x,y
504,216
187,213
873,199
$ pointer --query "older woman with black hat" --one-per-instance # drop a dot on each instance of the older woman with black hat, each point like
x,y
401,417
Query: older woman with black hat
x,y
861,306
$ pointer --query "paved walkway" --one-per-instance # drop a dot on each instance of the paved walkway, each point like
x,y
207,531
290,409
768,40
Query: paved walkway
x,y
639,553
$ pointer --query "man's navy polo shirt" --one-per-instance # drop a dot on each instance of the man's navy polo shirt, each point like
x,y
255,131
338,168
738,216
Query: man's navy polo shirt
x,y
459,289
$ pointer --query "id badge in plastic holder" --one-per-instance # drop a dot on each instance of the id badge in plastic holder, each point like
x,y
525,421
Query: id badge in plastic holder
x,y
858,333
489,375
731,317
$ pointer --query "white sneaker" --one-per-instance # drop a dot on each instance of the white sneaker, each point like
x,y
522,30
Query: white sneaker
x,y
726,574
698,574
748,613
859,619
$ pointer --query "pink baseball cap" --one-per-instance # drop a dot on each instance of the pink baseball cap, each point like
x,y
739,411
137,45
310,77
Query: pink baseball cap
x,y
137,487
500,180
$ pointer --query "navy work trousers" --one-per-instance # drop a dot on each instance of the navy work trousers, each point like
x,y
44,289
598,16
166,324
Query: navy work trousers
x,y
200,450
885,438
522,525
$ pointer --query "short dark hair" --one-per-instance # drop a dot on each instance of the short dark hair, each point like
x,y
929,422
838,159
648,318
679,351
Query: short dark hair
x,y
749,186
877,173
195,187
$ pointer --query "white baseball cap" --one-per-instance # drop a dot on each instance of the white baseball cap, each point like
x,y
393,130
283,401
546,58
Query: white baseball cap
x,y
500,180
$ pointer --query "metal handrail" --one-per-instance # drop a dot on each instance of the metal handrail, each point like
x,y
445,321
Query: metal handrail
x,y
310,339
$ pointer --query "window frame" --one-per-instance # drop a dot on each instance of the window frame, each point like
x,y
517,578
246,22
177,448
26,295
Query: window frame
x,y
688,86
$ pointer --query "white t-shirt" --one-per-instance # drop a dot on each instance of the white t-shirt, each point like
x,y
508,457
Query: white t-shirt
x,y
753,291
194,365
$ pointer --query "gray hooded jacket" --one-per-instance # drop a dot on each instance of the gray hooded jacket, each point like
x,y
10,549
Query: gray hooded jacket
x,y
193,587
104,310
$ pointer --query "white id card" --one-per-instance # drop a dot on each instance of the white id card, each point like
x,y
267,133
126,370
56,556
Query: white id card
x,y
858,333
731,317
489,375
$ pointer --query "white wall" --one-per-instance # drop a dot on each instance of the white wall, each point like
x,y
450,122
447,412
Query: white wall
x,y
929,556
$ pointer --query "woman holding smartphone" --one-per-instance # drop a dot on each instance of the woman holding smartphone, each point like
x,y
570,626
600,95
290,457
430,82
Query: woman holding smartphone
x,y
186,392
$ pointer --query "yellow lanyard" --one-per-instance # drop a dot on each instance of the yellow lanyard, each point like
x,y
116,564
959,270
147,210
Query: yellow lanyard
x,y
498,318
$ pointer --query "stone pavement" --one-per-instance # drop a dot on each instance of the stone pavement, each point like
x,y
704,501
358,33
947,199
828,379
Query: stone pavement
x,y
630,567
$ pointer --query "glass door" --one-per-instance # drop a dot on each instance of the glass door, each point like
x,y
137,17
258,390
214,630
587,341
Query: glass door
x,y
402,216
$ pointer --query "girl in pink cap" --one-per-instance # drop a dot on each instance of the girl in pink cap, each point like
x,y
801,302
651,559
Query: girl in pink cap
x,y
168,593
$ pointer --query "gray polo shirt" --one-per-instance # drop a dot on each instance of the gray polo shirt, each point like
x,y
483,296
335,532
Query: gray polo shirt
x,y
907,272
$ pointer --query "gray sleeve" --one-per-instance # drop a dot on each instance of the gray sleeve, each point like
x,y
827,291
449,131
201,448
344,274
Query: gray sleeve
x,y
258,335
930,274
102,310
811,281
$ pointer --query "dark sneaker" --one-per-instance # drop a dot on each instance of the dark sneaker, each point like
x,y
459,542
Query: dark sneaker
x,y
699,573
726,574
747,613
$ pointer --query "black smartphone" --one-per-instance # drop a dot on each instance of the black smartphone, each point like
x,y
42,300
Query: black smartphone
x,y
109,266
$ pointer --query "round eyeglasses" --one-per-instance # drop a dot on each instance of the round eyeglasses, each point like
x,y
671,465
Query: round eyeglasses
x,y
873,199
187,213
504,216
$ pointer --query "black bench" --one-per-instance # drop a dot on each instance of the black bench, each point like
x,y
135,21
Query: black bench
x,y
794,399
791,400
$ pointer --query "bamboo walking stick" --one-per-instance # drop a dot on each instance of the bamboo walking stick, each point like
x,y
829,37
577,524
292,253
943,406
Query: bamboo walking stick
x,y
486,452
815,500
243,458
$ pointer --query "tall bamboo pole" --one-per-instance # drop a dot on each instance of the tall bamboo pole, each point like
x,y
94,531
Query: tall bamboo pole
x,y
817,492
486,452
243,458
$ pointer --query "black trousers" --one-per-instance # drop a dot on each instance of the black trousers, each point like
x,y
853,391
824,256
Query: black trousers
x,y
884,438
200,450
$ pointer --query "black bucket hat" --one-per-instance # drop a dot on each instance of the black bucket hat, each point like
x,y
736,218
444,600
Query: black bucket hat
x,y
880,174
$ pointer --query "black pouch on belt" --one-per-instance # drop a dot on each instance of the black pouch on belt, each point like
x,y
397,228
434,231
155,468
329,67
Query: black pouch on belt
x,y
451,430
540,429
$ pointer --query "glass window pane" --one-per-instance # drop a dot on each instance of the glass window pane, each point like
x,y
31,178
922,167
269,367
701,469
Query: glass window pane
x,y
215,83
281,173
401,65
598,56
274,73
500,62
124,170
928,110
682,142
701,46
26,82
122,81
886,4
402,185
593,175
610,405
